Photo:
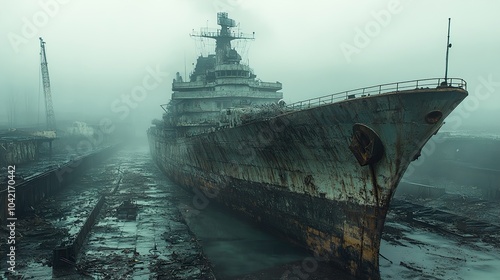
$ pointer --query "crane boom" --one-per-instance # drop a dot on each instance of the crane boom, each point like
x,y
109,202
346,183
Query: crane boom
x,y
49,109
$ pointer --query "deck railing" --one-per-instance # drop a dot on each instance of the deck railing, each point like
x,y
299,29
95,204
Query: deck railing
x,y
384,88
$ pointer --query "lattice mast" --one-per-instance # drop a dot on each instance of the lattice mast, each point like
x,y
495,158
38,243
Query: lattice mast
x,y
49,109
223,52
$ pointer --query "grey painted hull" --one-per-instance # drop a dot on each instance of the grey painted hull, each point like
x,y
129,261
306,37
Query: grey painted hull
x,y
296,172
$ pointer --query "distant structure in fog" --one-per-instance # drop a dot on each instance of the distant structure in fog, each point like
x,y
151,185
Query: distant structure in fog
x,y
49,108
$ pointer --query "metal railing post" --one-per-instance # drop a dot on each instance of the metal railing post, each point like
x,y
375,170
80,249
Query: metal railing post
x,y
381,89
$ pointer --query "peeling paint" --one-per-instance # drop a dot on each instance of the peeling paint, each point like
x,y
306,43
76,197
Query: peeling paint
x,y
303,179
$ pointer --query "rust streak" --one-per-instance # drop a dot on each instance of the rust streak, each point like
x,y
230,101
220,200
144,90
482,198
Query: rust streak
x,y
362,238
374,182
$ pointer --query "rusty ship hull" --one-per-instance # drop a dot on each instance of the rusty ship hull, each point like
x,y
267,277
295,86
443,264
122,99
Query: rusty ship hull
x,y
321,171
314,174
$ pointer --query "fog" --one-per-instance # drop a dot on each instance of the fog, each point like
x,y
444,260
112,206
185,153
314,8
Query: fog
x,y
101,52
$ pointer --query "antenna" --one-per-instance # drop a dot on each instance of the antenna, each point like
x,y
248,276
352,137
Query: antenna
x,y
448,46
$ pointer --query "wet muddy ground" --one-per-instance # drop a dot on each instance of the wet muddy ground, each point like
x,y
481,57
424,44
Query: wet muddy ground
x,y
438,243
163,235
154,244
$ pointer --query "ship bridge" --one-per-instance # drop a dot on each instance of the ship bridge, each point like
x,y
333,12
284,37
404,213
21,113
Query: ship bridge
x,y
233,70
218,82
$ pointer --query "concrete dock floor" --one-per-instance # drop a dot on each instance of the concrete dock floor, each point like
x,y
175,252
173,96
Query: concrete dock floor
x,y
171,238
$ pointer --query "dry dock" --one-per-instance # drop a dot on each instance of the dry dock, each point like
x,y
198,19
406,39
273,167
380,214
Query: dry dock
x,y
153,243
139,225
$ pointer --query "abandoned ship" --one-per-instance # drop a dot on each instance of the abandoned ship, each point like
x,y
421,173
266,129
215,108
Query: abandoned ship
x,y
321,171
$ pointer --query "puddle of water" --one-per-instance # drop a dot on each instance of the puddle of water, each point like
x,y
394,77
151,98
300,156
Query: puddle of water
x,y
236,247
427,255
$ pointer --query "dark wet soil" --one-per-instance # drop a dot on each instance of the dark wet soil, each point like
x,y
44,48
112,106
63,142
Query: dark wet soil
x,y
153,244
164,236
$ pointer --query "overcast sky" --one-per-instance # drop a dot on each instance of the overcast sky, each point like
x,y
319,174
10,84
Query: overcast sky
x,y
102,52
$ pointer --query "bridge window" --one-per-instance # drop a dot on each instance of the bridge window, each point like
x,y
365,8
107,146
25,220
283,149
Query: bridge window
x,y
232,73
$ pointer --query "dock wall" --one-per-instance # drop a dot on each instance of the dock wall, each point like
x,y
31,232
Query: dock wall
x,y
18,151
65,254
35,188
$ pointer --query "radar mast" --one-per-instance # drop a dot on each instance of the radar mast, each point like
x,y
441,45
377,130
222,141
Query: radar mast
x,y
223,52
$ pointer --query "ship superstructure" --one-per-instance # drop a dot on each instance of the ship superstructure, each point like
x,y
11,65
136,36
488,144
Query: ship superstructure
x,y
320,171
219,81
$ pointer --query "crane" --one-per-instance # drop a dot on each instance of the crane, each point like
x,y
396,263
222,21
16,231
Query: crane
x,y
49,109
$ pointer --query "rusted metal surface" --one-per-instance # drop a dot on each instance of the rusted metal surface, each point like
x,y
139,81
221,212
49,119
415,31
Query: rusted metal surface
x,y
16,150
296,173
345,152
366,145
350,154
